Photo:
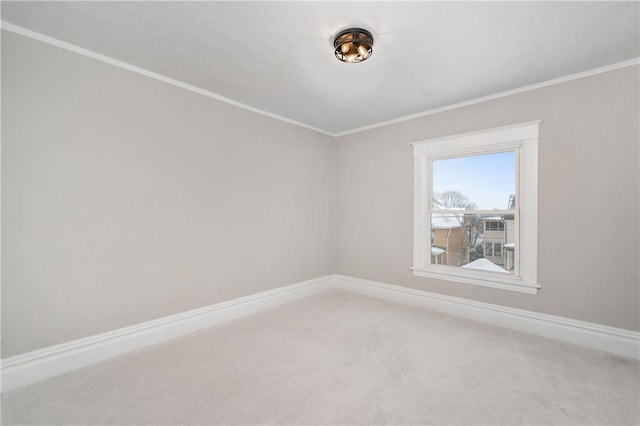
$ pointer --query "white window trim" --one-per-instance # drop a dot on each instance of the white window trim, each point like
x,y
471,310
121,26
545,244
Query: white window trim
x,y
521,136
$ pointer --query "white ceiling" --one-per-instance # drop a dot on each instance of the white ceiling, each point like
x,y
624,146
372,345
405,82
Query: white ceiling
x,y
278,56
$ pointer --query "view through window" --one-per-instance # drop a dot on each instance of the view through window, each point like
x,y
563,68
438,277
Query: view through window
x,y
473,212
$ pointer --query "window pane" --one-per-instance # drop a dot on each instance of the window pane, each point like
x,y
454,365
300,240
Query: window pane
x,y
488,249
467,240
476,182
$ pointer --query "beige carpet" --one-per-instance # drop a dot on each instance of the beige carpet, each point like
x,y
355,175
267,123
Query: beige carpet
x,y
341,358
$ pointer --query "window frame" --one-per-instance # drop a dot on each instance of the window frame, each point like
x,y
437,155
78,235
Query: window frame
x,y
521,137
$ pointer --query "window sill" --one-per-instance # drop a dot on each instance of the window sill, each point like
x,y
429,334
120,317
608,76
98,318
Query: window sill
x,y
511,284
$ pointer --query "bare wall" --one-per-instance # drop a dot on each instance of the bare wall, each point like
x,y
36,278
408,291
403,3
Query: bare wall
x,y
126,199
588,198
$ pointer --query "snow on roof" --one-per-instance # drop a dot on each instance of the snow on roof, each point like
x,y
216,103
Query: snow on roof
x,y
484,265
492,218
446,221
509,245
437,250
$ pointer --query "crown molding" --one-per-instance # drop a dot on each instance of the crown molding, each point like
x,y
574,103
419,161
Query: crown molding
x,y
567,78
139,70
142,71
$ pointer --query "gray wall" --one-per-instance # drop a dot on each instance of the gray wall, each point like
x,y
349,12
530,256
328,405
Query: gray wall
x,y
125,199
588,198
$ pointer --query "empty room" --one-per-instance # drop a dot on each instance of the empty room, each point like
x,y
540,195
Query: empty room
x,y
287,212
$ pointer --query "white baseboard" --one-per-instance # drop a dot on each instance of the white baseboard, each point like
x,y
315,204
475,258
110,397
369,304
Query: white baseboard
x,y
41,364
609,339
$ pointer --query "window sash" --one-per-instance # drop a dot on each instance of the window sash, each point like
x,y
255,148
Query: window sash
x,y
512,147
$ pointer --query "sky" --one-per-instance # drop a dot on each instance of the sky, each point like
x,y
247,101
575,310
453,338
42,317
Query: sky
x,y
486,180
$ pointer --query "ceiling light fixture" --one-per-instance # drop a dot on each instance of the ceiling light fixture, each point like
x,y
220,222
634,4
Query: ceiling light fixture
x,y
353,45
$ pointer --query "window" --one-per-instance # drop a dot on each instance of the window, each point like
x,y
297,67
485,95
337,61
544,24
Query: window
x,y
475,208
488,249
494,226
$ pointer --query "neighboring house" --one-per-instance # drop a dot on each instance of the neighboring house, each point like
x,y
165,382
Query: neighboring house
x,y
509,253
494,238
449,239
499,240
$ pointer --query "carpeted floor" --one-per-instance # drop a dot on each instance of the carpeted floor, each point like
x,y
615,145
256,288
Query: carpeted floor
x,y
341,358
